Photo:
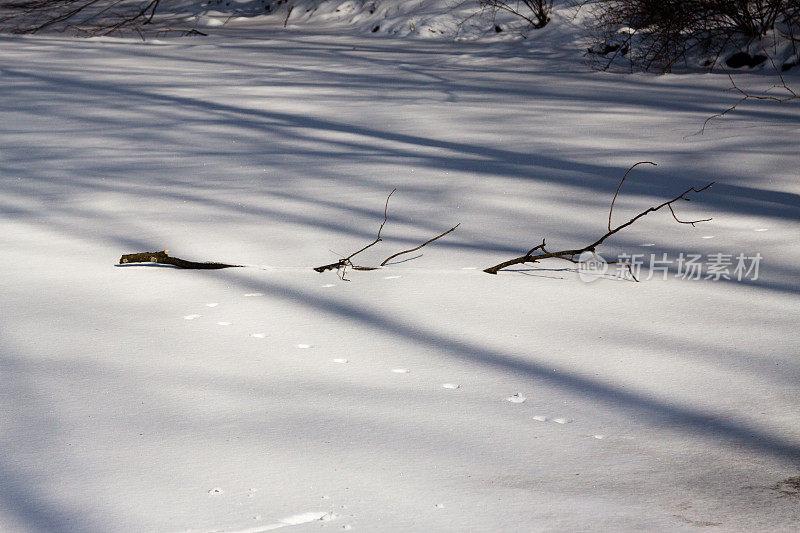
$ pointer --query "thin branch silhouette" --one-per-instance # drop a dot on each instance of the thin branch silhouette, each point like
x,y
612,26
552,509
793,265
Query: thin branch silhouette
x,y
343,264
570,255
745,95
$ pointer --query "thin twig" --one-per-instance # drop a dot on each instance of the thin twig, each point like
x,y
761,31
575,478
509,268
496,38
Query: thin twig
x,y
420,246
378,238
611,210
540,247
288,14
63,16
342,264
748,96
692,222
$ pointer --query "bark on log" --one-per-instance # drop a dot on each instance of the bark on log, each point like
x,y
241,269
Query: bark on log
x,y
163,259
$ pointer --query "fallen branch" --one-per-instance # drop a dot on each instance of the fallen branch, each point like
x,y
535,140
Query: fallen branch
x,y
163,259
420,246
570,255
344,263
791,94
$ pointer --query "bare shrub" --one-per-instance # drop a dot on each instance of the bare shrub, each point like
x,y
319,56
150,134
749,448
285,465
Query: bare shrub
x,y
657,34
536,12
86,18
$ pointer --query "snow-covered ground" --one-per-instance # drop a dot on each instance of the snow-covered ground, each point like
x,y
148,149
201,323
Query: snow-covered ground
x,y
424,396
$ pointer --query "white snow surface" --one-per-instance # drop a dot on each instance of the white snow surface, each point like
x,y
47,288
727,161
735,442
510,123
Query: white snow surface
x,y
665,405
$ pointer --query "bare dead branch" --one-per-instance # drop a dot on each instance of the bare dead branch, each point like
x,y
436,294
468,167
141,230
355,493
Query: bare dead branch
x,y
791,94
420,246
570,255
342,264
163,259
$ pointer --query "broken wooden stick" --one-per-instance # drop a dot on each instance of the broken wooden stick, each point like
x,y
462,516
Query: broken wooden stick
x,y
344,263
163,259
570,255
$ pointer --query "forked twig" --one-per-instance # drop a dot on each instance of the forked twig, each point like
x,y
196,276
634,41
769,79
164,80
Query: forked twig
x,y
420,246
342,264
570,255
792,95
346,261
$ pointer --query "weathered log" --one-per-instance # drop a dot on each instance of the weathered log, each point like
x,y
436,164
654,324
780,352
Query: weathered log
x,y
163,259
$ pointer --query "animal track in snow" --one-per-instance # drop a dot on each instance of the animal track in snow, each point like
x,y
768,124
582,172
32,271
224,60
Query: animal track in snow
x,y
517,398
451,386
294,520
191,317
564,420
558,420
400,370
307,517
